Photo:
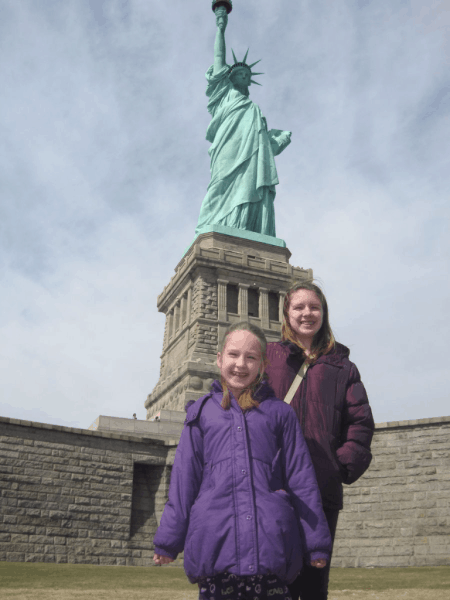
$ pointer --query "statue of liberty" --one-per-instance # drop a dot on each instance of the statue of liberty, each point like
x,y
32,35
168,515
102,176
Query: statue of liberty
x,y
241,192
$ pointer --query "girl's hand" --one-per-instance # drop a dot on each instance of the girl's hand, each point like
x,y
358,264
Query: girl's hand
x,y
162,560
320,563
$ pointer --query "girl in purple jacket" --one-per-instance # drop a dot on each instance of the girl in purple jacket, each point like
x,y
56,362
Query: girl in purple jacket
x,y
244,504
330,403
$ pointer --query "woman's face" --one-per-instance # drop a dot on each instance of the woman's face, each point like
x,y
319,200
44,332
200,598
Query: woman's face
x,y
240,361
305,315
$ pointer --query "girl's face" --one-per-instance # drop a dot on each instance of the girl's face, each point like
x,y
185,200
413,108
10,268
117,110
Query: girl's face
x,y
240,362
305,315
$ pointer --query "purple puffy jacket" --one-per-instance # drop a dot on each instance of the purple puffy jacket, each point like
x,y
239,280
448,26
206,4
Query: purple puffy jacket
x,y
334,413
243,495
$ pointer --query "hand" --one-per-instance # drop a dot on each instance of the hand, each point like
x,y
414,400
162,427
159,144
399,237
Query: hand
x,y
320,563
221,18
162,560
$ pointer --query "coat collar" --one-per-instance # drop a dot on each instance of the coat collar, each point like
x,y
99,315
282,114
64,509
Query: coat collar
x,y
335,357
194,407
263,391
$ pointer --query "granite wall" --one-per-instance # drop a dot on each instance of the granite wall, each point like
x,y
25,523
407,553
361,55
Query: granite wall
x,y
398,513
74,495
79,496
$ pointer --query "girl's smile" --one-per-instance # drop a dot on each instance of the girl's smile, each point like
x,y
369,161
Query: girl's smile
x,y
240,362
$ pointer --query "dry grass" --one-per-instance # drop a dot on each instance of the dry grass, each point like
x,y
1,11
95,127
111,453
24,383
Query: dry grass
x,y
41,581
164,594
151,594
401,594
385,579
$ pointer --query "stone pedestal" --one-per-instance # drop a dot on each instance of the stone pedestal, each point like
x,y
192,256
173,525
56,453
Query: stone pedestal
x,y
220,280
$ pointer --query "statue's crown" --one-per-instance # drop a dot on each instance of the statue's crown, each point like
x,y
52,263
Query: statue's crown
x,y
241,64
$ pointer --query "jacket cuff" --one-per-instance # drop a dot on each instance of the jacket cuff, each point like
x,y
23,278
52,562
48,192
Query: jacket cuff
x,y
163,552
352,471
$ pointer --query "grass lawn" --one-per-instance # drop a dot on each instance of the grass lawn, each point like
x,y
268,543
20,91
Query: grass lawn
x,y
42,581
425,578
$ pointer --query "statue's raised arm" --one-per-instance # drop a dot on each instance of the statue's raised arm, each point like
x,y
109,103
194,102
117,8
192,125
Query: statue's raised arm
x,y
243,173
219,45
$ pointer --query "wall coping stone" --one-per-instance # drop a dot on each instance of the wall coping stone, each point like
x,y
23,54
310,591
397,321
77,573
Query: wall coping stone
x,y
173,415
174,440
168,441
412,423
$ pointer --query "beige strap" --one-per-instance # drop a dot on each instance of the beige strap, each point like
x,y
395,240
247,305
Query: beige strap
x,y
296,383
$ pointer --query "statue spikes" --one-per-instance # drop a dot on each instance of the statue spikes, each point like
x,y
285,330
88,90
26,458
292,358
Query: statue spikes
x,y
234,56
245,57
255,63
255,82
258,73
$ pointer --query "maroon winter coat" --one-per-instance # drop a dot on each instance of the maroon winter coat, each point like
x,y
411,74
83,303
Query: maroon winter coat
x,y
334,413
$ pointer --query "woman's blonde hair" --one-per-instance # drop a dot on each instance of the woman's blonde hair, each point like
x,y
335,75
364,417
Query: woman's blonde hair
x,y
246,400
324,340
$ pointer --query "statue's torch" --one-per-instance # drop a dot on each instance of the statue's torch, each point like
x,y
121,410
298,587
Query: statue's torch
x,y
227,4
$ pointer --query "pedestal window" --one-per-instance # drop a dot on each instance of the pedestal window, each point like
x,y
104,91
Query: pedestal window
x,y
232,298
253,302
274,312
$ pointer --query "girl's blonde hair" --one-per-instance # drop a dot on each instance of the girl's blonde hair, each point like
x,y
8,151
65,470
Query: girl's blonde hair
x,y
324,340
246,400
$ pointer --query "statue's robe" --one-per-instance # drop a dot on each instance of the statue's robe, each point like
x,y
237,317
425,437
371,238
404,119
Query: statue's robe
x,y
243,172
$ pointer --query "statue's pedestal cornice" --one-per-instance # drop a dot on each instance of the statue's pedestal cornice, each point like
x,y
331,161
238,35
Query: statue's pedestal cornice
x,y
222,278
240,233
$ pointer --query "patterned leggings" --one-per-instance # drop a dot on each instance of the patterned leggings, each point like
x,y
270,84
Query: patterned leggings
x,y
232,587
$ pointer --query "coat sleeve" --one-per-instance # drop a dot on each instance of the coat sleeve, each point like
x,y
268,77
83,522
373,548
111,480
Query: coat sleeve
x,y
185,482
357,427
301,484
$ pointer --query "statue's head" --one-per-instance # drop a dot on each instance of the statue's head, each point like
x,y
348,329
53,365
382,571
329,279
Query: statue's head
x,y
241,74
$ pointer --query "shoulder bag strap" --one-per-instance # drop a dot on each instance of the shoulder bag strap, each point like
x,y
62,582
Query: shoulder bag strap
x,y
296,383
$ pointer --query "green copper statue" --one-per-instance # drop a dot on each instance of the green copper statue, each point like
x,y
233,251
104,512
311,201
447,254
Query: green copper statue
x,y
243,172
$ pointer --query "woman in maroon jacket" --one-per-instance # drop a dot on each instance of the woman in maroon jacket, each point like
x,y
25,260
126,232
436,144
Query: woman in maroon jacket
x,y
331,405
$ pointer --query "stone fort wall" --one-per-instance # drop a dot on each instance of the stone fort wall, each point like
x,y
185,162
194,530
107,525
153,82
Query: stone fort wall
x,y
398,513
80,496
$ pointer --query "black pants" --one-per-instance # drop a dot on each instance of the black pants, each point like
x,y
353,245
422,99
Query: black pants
x,y
232,587
312,583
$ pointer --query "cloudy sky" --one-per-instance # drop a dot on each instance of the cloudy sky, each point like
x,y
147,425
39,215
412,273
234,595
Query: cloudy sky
x,y
104,165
